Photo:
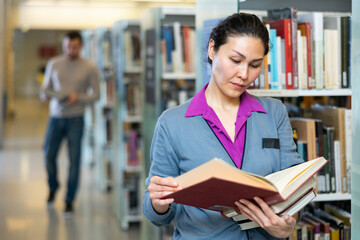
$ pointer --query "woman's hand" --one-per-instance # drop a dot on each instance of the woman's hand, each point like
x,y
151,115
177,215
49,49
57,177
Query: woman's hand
x,y
277,226
160,187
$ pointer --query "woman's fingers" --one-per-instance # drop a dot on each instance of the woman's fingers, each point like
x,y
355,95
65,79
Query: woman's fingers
x,y
247,212
160,187
264,207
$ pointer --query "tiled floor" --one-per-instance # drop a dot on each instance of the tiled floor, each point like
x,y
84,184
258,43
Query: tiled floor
x,y
23,190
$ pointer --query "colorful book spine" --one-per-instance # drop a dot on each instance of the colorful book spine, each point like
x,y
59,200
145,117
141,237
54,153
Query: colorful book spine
x,y
274,83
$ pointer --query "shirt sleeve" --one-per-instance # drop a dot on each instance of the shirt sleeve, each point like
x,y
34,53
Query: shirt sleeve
x,y
94,87
288,154
47,84
164,163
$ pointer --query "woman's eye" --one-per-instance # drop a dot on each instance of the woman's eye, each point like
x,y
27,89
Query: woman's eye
x,y
255,65
235,61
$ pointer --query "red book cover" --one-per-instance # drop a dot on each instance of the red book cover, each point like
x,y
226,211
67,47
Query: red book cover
x,y
283,30
226,193
305,29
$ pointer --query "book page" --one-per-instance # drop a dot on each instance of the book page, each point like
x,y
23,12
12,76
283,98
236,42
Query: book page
x,y
287,176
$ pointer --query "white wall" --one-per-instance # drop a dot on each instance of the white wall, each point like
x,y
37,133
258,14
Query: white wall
x,y
27,60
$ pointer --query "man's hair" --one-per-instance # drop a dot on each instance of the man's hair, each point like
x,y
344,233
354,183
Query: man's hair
x,y
74,35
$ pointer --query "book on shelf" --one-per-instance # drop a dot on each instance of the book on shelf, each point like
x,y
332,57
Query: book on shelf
x,y
216,185
348,147
337,159
178,48
335,223
345,51
132,49
332,54
322,228
178,51
345,216
274,81
316,21
328,134
167,48
305,128
133,148
335,116
302,149
189,48
310,230
302,70
316,226
283,29
305,29
289,13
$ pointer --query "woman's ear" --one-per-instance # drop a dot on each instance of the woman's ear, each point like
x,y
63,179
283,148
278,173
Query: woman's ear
x,y
211,49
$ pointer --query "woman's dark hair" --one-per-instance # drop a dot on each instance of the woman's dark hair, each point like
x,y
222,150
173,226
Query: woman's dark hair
x,y
74,35
239,24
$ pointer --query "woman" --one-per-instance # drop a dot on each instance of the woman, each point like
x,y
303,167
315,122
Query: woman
x,y
223,121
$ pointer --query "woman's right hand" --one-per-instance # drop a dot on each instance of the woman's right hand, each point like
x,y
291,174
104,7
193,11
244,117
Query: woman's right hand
x,y
160,187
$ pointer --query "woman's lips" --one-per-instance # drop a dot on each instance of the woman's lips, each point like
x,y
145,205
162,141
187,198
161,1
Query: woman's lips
x,y
238,85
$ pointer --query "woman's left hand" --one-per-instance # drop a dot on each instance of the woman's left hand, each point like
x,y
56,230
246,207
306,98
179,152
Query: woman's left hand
x,y
277,226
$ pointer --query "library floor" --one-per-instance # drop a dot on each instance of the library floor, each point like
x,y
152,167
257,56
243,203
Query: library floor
x,y
23,190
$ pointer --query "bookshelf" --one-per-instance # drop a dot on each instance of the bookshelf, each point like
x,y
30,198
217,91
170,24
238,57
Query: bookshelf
x,y
301,7
164,85
127,122
103,109
330,6
88,52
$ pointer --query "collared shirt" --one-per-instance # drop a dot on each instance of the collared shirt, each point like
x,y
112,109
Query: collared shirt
x,y
248,104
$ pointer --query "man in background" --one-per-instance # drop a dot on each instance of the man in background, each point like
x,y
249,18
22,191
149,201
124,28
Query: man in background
x,y
70,82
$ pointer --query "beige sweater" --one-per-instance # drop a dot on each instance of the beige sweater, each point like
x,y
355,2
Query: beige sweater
x,y
64,76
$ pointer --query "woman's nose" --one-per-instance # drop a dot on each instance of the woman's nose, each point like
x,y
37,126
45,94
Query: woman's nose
x,y
243,71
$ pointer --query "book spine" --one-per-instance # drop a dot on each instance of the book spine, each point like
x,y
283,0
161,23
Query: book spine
x,y
327,167
301,81
279,63
178,53
274,83
288,56
342,139
331,159
337,166
294,47
311,80
348,147
345,52
168,37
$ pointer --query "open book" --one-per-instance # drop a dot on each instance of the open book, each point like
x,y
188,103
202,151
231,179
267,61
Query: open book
x,y
216,185
60,96
280,208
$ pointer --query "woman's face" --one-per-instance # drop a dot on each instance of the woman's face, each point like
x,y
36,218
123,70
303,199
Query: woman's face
x,y
236,64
